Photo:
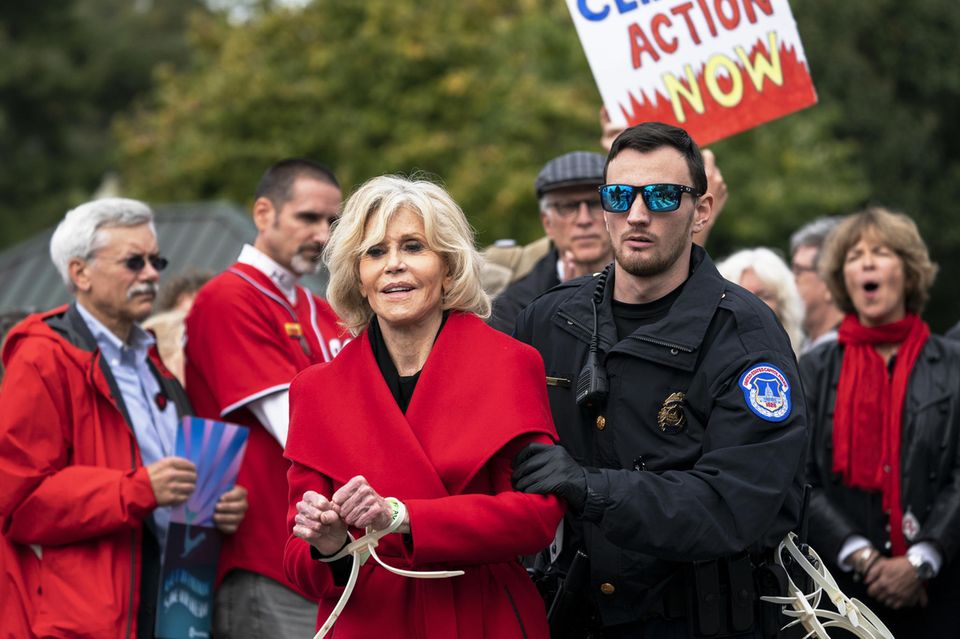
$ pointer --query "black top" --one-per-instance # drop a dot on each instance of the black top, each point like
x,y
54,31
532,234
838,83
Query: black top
x,y
508,304
630,317
401,387
954,333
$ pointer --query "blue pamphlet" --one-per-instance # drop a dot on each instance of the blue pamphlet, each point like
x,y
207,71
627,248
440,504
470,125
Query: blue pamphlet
x,y
185,605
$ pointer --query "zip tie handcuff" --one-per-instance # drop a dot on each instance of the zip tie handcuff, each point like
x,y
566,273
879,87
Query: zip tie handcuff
x,y
364,548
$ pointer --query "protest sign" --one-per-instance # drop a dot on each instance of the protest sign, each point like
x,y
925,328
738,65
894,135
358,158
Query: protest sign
x,y
193,542
712,67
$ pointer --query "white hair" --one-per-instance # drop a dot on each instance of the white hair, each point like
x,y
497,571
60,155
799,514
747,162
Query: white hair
x,y
775,274
79,235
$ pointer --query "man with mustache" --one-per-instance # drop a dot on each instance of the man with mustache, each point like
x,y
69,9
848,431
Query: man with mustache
x,y
680,414
88,417
250,331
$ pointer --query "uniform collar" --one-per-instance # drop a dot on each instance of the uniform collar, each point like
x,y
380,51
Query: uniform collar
x,y
684,327
283,278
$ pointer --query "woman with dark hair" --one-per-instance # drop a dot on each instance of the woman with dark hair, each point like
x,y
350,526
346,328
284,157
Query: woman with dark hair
x,y
884,405
427,405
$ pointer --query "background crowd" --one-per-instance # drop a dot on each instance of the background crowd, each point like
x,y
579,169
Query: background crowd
x,y
876,390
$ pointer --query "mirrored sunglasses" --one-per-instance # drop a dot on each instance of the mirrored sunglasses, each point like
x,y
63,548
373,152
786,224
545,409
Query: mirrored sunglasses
x,y
659,198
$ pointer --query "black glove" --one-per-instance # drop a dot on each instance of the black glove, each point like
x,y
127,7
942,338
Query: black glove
x,y
548,469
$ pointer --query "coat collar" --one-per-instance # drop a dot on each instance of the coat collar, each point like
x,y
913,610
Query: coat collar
x,y
473,397
673,340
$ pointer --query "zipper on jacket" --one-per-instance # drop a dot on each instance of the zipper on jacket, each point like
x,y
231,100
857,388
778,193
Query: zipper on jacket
x,y
133,581
523,631
653,340
133,555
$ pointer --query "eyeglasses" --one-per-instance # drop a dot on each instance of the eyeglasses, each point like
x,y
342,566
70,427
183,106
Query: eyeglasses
x,y
136,263
659,198
799,269
572,207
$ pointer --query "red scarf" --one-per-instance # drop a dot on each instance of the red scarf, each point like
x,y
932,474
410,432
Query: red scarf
x,y
869,409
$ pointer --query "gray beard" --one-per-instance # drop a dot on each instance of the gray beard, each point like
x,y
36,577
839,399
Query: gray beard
x,y
303,266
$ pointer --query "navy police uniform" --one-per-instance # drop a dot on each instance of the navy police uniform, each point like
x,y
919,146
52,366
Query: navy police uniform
x,y
693,462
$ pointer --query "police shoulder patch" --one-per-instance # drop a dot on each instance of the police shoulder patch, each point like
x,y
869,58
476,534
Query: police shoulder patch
x,y
766,392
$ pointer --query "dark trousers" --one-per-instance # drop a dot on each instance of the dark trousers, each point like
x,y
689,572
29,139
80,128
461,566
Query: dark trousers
x,y
658,629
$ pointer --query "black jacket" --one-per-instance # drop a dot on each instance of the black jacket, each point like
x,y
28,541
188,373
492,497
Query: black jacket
x,y
516,297
929,455
716,478
954,333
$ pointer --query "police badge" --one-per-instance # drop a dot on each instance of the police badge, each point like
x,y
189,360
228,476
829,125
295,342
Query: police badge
x,y
670,417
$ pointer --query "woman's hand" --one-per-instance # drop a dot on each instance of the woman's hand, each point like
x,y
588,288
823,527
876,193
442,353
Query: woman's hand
x,y
895,584
360,506
318,523
230,509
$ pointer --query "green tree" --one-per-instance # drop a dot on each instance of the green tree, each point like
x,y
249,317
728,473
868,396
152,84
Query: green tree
x,y
887,67
482,92
479,94
68,67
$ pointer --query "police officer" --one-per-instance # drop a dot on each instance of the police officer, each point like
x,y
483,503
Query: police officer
x,y
679,409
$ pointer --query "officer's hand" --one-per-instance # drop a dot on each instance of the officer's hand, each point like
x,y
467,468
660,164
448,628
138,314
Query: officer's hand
x,y
549,469
172,479
230,509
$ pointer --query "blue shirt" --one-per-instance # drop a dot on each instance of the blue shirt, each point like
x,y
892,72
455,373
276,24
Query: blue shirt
x,y
154,428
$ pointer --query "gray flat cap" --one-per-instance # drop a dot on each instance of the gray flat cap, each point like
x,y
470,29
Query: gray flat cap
x,y
579,168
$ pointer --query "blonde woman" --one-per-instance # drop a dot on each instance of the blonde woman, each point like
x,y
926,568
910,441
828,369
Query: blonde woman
x,y
427,405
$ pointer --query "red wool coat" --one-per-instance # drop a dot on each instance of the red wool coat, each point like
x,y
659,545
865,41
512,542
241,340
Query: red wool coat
x,y
481,396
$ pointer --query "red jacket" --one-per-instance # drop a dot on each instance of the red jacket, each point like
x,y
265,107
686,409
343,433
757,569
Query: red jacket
x,y
480,397
74,492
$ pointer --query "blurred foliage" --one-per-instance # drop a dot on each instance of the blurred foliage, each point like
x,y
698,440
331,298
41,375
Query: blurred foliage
x,y
68,67
889,68
479,93
476,93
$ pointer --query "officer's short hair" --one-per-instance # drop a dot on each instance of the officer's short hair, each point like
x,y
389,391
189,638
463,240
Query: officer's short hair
x,y
650,136
276,184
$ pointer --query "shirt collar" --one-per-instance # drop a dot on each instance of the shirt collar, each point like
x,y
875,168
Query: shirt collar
x,y
140,339
285,280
